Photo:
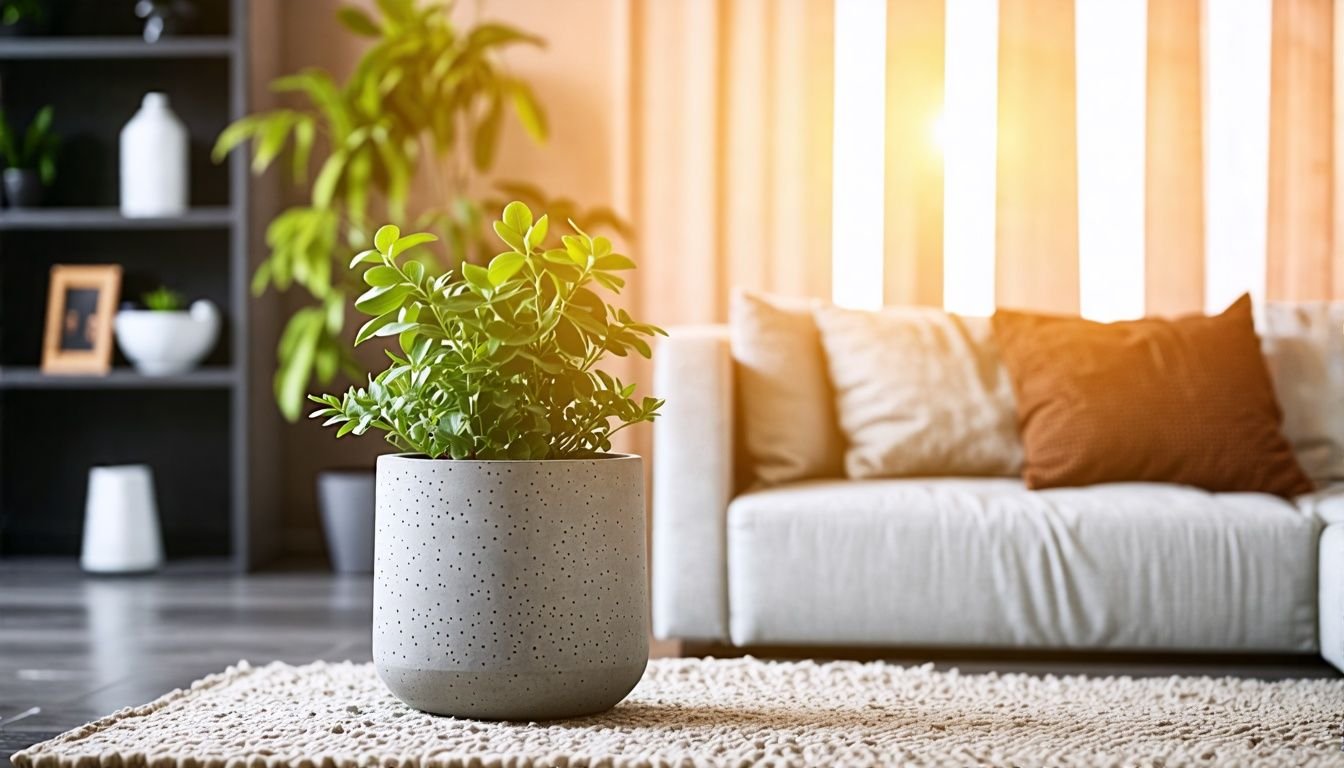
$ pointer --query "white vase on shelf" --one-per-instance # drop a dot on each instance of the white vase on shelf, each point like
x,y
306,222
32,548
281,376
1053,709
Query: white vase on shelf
x,y
121,521
154,163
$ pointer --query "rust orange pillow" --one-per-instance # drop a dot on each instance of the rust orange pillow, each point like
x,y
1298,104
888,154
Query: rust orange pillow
x,y
1184,401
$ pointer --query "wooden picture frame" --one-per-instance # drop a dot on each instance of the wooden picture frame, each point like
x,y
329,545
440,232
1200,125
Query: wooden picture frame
x,y
81,306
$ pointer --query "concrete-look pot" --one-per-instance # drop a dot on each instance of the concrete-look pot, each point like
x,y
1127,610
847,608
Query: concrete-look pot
x,y
510,590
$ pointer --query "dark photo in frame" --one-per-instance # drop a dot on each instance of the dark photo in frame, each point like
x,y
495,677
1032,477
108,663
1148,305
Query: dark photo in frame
x,y
81,305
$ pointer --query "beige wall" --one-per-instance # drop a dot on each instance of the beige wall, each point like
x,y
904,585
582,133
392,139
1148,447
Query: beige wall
x,y
581,77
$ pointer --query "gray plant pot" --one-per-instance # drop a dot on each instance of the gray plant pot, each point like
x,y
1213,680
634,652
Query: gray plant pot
x,y
510,590
345,498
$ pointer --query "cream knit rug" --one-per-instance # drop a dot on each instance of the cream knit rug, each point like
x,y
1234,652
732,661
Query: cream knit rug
x,y
743,712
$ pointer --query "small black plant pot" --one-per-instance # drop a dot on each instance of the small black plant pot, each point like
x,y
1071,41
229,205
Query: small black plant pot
x,y
23,188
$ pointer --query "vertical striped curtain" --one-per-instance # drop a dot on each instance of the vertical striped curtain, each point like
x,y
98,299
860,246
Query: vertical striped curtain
x,y
732,103
1152,157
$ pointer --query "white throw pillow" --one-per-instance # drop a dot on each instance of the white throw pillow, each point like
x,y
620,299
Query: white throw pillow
x,y
920,392
787,406
1304,349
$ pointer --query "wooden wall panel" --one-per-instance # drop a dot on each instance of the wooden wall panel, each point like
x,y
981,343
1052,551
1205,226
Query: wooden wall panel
x,y
914,162
1037,231
1174,173
1300,152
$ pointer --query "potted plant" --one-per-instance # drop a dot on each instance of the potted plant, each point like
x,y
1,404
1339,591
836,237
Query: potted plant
x,y
30,159
510,556
166,337
22,17
371,138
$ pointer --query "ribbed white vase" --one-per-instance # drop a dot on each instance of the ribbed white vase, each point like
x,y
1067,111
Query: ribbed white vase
x,y
154,161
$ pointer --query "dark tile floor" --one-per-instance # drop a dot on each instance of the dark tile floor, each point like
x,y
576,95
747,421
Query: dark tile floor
x,y
74,648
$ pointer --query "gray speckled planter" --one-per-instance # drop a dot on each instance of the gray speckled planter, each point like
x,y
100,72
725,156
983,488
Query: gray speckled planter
x,y
510,590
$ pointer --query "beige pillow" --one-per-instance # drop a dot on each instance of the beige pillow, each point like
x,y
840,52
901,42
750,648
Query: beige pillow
x,y
1304,350
785,399
920,392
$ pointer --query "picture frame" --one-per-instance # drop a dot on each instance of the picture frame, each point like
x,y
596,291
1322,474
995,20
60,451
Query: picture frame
x,y
81,306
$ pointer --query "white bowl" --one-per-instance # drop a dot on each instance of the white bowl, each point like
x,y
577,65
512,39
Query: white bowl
x,y
166,343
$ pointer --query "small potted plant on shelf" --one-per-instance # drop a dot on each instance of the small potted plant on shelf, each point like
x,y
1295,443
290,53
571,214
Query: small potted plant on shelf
x,y
510,556
22,17
166,337
30,159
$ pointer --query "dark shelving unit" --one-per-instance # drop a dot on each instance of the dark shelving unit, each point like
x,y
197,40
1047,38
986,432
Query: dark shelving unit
x,y
38,219
52,48
191,428
16,377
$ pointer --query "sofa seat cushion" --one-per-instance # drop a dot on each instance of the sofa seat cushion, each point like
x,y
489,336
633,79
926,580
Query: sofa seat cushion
x,y
986,562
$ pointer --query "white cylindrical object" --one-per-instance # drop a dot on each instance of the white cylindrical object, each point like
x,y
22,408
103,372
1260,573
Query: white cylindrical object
x,y
121,521
154,162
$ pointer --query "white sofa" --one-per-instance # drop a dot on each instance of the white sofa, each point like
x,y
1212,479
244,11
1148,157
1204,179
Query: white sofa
x,y
969,562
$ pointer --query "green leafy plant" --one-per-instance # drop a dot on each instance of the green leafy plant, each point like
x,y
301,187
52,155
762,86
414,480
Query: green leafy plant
x,y
163,299
426,97
34,150
496,361
14,11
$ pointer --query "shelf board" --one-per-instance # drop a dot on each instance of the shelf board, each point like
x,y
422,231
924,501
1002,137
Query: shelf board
x,y
61,218
24,377
115,48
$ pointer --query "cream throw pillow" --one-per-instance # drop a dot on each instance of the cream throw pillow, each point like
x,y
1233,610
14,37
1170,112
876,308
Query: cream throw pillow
x,y
784,396
1304,350
920,392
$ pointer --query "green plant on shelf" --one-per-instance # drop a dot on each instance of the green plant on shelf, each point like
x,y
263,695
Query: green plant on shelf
x,y
427,96
15,11
35,149
163,299
496,361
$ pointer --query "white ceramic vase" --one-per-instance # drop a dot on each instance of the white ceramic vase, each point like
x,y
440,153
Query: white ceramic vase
x,y
154,161
510,590
121,521
166,343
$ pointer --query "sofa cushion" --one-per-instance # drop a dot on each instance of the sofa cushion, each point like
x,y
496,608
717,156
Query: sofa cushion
x,y
1304,348
1181,401
920,392
985,562
784,396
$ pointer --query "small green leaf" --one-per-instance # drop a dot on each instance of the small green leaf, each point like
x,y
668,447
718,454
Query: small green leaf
x,y
510,236
385,237
601,247
370,328
392,329
404,244
518,216
613,261
381,275
477,276
376,301
505,266
537,234
366,257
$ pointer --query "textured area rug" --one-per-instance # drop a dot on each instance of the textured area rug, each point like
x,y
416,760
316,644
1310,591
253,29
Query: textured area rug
x,y
740,712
